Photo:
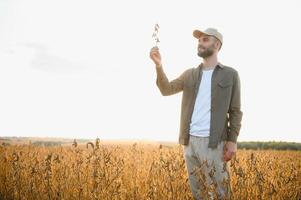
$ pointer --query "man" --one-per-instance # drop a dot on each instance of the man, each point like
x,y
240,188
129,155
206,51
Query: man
x,y
210,114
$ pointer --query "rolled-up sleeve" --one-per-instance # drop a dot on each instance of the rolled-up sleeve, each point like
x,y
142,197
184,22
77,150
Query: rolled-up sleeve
x,y
167,87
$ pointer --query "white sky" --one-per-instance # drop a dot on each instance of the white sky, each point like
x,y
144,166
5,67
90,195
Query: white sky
x,y
81,69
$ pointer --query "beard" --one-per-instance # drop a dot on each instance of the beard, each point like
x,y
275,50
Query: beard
x,y
205,52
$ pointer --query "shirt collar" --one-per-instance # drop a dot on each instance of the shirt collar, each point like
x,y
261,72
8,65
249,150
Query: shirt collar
x,y
218,65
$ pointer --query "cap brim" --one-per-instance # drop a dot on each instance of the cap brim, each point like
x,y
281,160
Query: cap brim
x,y
197,34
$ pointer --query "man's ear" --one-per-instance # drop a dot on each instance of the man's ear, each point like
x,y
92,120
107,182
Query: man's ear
x,y
217,45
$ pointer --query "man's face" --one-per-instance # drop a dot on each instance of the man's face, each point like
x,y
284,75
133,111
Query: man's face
x,y
206,46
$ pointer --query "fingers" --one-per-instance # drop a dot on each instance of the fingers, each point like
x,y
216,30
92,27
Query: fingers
x,y
226,159
154,51
155,48
228,155
155,55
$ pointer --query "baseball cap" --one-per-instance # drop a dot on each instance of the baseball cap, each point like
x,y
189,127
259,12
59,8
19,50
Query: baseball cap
x,y
209,31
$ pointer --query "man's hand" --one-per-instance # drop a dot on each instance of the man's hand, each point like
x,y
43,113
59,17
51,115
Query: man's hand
x,y
230,149
155,55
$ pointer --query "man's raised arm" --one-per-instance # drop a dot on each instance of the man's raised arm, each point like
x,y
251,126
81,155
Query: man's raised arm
x,y
166,88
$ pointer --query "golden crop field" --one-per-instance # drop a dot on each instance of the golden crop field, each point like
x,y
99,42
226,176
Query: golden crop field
x,y
137,171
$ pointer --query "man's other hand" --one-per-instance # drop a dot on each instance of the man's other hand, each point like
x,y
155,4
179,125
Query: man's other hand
x,y
230,149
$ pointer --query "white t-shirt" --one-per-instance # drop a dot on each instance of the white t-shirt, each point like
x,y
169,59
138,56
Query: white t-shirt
x,y
200,120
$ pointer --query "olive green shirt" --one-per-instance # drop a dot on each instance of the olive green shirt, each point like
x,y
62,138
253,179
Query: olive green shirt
x,y
226,114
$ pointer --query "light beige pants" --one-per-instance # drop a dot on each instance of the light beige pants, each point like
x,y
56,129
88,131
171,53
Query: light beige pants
x,y
206,169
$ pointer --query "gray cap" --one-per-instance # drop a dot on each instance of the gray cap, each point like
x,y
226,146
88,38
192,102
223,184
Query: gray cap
x,y
209,31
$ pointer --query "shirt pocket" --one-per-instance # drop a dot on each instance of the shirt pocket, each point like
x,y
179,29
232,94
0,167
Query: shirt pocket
x,y
224,91
225,84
